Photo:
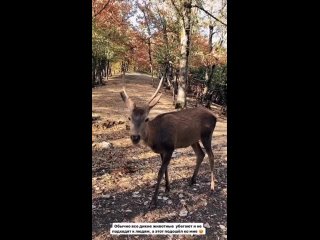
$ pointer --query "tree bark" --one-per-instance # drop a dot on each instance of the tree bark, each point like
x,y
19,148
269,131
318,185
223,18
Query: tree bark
x,y
100,71
107,70
146,18
166,53
209,69
150,59
184,55
93,71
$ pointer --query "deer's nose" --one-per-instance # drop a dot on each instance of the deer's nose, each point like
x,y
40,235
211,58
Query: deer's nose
x,y
135,138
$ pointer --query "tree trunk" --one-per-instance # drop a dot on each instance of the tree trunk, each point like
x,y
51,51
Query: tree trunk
x,y
166,52
210,38
184,61
100,71
93,71
209,78
110,69
209,69
150,58
107,70
175,87
147,20
103,67
123,71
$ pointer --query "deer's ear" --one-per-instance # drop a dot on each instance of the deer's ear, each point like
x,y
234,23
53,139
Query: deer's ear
x,y
155,101
129,103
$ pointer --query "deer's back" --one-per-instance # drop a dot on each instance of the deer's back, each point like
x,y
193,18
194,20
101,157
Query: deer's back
x,y
180,129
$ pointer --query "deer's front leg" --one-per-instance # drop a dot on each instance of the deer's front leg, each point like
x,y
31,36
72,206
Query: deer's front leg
x,y
167,180
166,175
165,162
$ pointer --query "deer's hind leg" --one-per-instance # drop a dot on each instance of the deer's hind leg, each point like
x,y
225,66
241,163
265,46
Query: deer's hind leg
x,y
206,141
200,155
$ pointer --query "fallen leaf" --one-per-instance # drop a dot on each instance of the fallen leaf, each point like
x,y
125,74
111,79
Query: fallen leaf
x,y
222,227
206,225
183,212
106,196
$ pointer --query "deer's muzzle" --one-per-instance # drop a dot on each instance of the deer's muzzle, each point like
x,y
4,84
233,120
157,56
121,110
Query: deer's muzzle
x,y
135,138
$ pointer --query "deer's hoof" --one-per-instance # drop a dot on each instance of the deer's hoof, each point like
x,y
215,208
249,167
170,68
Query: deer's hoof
x,y
153,204
167,189
212,186
192,181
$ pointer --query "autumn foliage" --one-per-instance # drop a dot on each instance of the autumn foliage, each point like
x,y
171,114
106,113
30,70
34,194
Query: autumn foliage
x,y
144,35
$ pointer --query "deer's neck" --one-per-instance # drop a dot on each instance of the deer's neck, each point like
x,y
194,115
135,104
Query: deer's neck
x,y
149,139
145,133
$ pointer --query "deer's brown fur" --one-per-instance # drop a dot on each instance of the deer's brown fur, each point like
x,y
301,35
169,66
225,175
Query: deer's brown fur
x,y
170,131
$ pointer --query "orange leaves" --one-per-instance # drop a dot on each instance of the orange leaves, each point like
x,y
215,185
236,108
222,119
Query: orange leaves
x,y
125,28
200,53
111,13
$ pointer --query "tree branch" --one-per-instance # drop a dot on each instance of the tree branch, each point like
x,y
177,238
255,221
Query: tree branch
x,y
209,14
103,8
177,9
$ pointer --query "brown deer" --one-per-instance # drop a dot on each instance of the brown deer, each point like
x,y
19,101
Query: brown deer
x,y
170,131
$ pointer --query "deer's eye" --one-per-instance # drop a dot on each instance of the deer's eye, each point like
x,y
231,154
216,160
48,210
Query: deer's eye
x,y
147,119
129,118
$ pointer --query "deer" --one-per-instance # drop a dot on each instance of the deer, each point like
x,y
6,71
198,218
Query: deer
x,y
169,131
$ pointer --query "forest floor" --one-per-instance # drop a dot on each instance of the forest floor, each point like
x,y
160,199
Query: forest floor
x,y
123,175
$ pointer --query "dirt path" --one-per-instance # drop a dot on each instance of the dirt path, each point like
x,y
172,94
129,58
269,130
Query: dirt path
x,y
123,175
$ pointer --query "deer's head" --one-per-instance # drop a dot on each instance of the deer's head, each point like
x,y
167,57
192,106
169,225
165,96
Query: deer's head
x,y
138,116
